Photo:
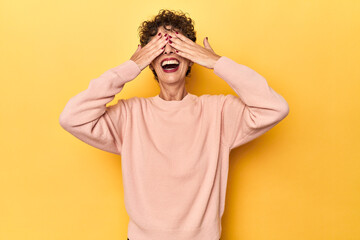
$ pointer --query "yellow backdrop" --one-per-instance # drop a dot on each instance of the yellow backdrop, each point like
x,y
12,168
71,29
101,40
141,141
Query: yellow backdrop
x,y
298,181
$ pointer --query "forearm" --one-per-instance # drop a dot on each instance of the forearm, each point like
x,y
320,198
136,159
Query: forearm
x,y
86,116
253,90
90,104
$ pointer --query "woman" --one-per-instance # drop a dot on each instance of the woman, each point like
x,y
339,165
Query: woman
x,y
166,42
174,146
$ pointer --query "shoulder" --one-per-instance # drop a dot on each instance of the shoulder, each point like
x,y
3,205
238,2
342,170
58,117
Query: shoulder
x,y
129,102
136,101
216,98
213,100
209,97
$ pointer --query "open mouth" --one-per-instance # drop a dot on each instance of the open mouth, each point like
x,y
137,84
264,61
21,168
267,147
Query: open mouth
x,y
170,65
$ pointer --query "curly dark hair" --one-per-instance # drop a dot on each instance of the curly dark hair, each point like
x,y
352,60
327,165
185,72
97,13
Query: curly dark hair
x,y
175,19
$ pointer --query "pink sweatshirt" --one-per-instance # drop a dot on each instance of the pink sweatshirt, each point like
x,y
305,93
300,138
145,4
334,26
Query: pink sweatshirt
x,y
174,154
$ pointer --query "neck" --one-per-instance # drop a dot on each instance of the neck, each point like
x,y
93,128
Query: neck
x,y
172,91
173,95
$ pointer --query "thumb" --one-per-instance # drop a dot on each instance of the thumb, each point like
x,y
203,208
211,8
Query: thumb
x,y
207,44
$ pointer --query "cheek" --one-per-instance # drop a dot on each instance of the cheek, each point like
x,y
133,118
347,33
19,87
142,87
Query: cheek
x,y
154,64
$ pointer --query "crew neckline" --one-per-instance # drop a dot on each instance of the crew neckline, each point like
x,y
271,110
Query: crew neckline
x,y
170,104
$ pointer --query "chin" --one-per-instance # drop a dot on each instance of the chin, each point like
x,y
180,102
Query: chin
x,y
172,79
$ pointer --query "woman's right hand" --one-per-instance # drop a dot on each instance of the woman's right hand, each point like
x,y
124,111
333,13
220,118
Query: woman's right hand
x,y
143,56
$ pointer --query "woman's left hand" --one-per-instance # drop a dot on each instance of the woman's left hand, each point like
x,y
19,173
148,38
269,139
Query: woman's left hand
x,y
186,48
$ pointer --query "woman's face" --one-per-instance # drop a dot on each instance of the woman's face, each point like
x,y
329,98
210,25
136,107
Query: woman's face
x,y
169,75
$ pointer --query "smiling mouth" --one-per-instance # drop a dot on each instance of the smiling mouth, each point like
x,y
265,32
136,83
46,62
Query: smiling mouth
x,y
170,68
170,65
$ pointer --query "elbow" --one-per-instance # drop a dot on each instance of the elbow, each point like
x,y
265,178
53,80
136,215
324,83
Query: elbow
x,y
285,109
63,121
282,111
270,116
274,116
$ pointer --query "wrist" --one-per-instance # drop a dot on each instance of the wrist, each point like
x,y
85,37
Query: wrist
x,y
215,59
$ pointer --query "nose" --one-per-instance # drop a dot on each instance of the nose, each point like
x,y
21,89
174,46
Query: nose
x,y
168,49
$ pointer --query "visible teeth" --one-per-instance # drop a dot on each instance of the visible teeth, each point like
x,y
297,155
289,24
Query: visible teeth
x,y
169,62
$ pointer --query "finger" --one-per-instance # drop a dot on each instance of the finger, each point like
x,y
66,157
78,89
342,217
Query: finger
x,y
160,44
176,38
157,48
181,50
183,38
207,44
154,40
181,45
157,43
186,46
184,55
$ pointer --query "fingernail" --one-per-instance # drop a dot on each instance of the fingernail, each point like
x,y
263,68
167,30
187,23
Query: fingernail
x,y
176,32
206,38
170,41
159,34
177,51
170,36
167,38
165,35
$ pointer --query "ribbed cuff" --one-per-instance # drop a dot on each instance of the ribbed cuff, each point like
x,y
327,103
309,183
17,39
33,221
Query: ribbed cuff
x,y
127,71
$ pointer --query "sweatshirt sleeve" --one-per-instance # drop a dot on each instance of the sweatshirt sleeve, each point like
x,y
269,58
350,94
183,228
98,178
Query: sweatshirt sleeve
x,y
86,116
255,110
